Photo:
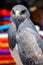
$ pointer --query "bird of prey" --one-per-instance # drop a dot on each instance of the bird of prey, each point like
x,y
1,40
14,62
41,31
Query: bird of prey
x,y
23,33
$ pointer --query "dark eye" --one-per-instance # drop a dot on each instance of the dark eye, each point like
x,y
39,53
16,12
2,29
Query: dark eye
x,y
13,11
23,11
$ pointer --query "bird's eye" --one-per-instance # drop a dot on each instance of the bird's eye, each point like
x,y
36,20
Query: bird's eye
x,y
13,11
23,11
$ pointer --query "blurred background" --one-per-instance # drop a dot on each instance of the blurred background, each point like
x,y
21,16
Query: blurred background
x,y
36,11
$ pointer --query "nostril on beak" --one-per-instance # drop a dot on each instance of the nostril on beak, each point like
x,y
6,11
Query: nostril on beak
x,y
18,16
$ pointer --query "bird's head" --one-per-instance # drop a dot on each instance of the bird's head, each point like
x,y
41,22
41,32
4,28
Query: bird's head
x,y
19,13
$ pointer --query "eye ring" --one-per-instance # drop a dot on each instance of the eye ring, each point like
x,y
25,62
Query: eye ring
x,y
23,11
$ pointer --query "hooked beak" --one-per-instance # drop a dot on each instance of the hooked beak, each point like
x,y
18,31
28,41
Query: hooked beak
x,y
17,14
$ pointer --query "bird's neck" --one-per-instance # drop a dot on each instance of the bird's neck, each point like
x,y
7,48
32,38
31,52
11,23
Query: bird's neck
x,y
17,23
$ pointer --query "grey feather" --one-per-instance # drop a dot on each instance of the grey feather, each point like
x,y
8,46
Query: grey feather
x,y
12,35
23,32
29,47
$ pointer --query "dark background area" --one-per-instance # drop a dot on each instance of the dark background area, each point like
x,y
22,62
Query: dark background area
x,y
29,3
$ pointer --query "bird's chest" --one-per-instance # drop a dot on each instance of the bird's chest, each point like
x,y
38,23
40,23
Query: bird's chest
x,y
23,55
